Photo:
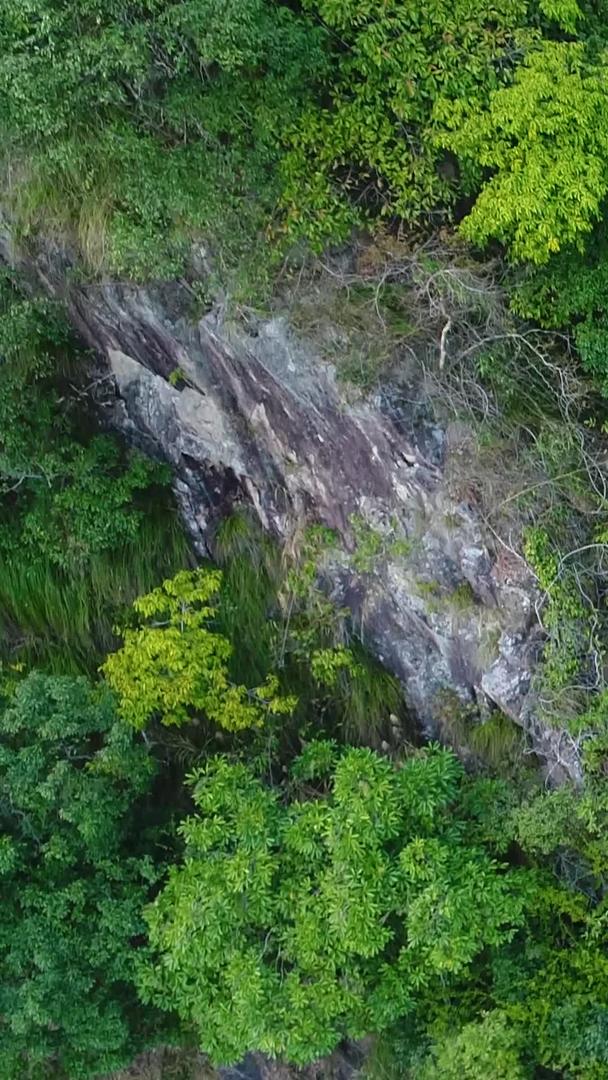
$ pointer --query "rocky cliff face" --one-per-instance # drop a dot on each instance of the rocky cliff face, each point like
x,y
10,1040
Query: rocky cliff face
x,y
257,418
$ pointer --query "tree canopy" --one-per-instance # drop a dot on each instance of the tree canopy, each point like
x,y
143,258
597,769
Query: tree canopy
x,y
75,876
161,121
293,926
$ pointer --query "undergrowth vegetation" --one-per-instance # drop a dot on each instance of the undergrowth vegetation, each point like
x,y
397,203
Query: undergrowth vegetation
x,y
85,525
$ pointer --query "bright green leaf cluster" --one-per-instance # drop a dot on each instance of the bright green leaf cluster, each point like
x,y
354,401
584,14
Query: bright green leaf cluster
x,y
175,666
292,926
545,140
398,67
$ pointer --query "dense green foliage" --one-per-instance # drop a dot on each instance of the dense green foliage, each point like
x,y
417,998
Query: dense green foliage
x,y
378,899
322,894
570,294
215,826
75,871
399,70
505,87
291,927
127,122
545,139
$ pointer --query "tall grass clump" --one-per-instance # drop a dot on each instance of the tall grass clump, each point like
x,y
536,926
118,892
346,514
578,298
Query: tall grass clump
x,y
247,613
86,524
62,619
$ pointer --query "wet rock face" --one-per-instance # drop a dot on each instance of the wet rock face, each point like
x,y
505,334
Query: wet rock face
x,y
259,418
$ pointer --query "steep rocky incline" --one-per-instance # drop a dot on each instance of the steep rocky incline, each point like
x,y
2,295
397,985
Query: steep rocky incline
x,y
258,418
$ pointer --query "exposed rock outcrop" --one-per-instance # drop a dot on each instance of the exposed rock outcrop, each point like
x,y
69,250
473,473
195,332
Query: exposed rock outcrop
x,y
257,417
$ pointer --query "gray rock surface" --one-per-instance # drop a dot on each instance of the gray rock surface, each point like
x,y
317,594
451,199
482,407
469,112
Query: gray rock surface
x,y
258,418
